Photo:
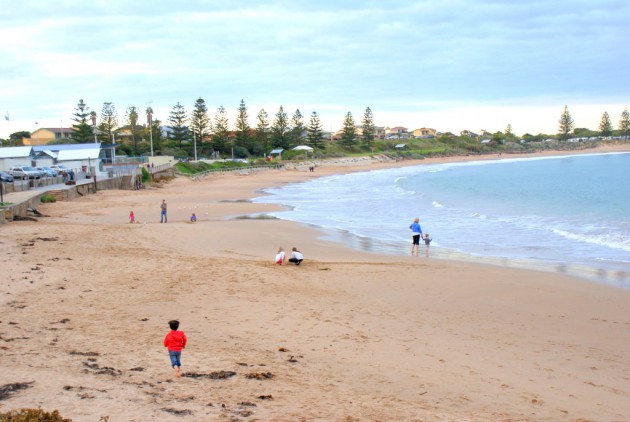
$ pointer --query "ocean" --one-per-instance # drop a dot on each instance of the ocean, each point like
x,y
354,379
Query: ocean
x,y
563,213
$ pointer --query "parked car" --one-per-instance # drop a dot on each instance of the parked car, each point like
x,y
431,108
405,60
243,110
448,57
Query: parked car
x,y
5,177
48,172
25,172
61,168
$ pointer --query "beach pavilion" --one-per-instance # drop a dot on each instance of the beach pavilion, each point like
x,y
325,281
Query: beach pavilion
x,y
303,148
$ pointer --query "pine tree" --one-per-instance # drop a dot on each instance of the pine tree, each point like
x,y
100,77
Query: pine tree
x,y
314,132
242,127
566,124
624,123
221,134
177,122
605,126
109,121
348,134
262,130
199,120
132,120
508,131
82,131
368,127
297,128
279,130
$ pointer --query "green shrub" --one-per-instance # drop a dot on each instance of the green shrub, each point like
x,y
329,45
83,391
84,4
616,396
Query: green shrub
x,y
47,198
146,176
32,415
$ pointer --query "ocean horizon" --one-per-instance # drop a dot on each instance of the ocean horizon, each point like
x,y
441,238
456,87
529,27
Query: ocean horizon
x,y
568,214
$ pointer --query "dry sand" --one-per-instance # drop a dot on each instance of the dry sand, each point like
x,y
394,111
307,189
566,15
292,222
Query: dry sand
x,y
85,298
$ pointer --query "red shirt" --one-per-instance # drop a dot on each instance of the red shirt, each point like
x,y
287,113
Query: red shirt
x,y
175,341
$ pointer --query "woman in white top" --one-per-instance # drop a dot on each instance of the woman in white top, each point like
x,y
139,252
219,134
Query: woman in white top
x,y
296,256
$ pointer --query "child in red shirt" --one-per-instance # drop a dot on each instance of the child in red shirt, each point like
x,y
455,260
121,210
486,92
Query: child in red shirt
x,y
174,342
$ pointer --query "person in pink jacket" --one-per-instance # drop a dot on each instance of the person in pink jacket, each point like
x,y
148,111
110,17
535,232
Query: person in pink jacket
x,y
174,342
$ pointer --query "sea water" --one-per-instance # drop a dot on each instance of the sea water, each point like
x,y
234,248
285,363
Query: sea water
x,y
567,213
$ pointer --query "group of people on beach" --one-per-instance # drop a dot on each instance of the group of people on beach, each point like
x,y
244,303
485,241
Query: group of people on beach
x,y
416,233
163,214
296,256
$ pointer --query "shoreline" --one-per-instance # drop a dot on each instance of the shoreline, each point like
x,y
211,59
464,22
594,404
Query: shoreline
x,y
607,276
345,336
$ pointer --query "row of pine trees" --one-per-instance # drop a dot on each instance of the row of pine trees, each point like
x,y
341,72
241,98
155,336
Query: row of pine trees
x,y
213,134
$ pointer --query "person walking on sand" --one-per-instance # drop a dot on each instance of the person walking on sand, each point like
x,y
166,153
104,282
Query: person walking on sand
x,y
296,256
174,342
427,242
163,218
280,256
416,232
132,217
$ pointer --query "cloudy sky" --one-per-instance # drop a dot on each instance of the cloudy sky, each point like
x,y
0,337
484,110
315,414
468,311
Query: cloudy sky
x,y
446,64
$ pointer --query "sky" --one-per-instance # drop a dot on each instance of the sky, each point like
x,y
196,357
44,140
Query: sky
x,y
451,65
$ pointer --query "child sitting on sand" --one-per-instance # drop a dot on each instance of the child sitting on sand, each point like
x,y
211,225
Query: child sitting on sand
x,y
280,256
427,242
174,342
132,217
193,218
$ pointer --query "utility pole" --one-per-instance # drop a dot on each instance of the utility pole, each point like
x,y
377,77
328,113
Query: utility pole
x,y
150,123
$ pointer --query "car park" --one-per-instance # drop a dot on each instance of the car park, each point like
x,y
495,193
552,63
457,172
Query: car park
x,y
5,177
48,172
25,172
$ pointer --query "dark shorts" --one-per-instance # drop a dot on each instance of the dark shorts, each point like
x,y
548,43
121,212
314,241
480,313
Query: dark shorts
x,y
416,239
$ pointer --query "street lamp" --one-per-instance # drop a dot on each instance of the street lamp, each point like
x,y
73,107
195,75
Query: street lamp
x,y
150,123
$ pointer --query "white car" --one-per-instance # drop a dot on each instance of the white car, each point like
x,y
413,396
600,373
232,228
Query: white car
x,y
25,172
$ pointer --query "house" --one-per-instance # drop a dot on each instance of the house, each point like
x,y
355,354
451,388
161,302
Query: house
x,y
397,130
468,134
15,156
425,132
277,152
43,135
75,156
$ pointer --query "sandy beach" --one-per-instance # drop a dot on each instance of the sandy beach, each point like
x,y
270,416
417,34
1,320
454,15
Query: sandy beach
x,y
85,298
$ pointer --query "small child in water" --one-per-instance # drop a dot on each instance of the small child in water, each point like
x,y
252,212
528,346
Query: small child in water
x,y
427,242
132,217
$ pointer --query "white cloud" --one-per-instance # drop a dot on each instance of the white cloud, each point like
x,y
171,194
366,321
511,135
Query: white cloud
x,y
418,60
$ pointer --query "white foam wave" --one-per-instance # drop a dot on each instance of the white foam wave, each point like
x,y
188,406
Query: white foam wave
x,y
611,240
436,204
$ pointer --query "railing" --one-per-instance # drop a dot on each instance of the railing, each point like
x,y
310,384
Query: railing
x,y
230,170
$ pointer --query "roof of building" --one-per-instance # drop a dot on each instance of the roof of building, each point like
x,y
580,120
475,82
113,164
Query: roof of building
x,y
79,154
65,147
15,152
276,151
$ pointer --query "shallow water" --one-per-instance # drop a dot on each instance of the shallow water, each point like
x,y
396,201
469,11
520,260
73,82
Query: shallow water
x,y
568,214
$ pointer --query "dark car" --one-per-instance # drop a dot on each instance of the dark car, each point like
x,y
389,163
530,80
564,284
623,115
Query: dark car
x,y
5,177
